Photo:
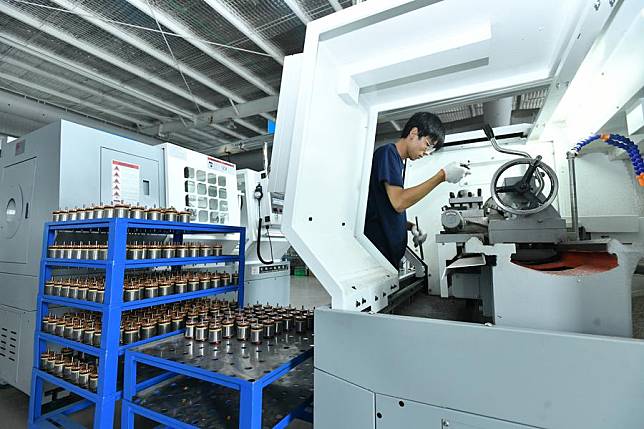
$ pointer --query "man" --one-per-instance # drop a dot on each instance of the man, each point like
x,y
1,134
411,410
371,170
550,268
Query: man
x,y
386,221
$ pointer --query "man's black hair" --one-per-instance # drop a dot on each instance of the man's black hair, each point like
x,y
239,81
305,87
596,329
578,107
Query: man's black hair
x,y
428,124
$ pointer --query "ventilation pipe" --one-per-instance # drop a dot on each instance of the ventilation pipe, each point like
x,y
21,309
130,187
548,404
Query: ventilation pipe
x,y
498,113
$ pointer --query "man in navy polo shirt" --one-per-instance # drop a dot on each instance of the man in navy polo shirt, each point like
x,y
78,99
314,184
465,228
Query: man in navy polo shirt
x,y
386,221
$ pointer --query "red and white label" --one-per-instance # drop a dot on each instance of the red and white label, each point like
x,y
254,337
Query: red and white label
x,y
126,179
219,165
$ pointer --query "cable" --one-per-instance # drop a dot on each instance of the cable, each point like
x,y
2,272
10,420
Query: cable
x,y
259,194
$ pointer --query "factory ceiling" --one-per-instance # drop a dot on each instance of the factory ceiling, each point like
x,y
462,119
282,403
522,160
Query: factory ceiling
x,y
203,74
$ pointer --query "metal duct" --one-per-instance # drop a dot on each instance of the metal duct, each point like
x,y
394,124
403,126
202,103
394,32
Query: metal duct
x,y
42,113
498,113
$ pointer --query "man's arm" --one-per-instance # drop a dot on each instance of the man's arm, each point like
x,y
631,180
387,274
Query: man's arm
x,y
401,199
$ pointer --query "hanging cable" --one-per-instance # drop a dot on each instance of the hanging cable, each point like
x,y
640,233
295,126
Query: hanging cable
x,y
259,194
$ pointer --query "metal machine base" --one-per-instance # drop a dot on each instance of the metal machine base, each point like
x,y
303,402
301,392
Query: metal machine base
x,y
470,376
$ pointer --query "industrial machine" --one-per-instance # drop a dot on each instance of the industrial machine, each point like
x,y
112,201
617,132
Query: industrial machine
x,y
60,165
541,368
267,276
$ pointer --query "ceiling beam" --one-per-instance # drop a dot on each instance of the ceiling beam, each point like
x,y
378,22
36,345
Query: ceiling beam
x,y
240,24
194,39
47,55
165,58
335,4
47,75
104,55
250,108
298,11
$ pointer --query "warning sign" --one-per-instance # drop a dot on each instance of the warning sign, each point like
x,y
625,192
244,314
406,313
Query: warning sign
x,y
125,181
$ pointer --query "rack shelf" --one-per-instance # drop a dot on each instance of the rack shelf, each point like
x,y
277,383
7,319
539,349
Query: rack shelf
x,y
272,380
112,309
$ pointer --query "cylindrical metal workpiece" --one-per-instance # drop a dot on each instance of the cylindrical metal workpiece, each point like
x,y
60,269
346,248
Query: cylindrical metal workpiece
x,y
97,337
177,323
300,324
93,381
214,334
154,252
243,331
148,330
201,332
75,372
168,252
256,334
269,328
64,290
166,288
154,214
193,285
131,334
183,217
204,283
130,293
227,328
164,326
83,377
190,329
58,367
49,287
151,290
88,336
180,287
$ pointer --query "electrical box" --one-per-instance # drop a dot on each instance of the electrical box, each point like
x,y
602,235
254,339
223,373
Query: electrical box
x,y
201,184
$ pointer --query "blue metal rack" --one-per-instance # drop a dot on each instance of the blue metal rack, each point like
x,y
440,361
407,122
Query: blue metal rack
x,y
113,306
169,356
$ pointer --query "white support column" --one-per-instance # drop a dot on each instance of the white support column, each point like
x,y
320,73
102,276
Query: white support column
x,y
298,11
238,22
335,4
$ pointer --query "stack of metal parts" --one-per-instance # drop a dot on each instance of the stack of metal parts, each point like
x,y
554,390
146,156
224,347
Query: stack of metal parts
x,y
79,250
255,323
120,210
172,250
145,286
84,326
85,288
72,366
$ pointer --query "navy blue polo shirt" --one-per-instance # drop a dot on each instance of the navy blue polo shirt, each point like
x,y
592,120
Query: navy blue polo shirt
x,y
386,228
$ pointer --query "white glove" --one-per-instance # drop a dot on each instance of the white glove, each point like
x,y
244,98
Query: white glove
x,y
419,236
455,171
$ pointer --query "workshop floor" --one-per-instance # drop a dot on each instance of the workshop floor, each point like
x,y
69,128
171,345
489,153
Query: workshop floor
x,y
308,292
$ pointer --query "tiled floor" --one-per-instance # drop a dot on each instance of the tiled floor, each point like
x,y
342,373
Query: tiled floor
x,y
307,292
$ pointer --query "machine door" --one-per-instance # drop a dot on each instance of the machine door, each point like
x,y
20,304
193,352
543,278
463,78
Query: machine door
x,y
129,178
16,193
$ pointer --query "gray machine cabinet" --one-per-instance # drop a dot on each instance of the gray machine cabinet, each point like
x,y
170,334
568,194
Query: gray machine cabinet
x,y
60,165
528,377
396,413
341,405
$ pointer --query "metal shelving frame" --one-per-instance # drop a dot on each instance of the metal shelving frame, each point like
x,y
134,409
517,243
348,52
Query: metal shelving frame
x,y
250,391
113,306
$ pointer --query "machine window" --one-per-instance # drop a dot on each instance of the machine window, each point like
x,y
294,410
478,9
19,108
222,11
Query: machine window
x,y
214,217
212,179
190,186
203,216
223,206
189,173
201,176
201,188
222,180
212,191
202,203
213,204
223,194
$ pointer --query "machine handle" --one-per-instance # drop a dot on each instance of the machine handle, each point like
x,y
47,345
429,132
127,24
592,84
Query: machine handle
x,y
27,211
489,133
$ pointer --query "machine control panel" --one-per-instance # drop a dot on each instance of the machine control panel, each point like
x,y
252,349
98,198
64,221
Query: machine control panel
x,y
270,268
